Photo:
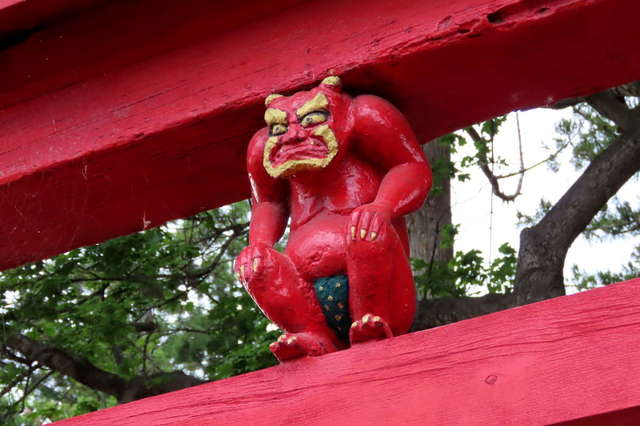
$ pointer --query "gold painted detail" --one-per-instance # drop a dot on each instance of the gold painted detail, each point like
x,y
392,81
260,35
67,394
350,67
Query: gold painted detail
x,y
278,129
318,103
293,166
332,81
275,116
313,118
270,98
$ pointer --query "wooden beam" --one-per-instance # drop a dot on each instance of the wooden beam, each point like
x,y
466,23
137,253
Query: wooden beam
x,y
133,113
573,359
18,18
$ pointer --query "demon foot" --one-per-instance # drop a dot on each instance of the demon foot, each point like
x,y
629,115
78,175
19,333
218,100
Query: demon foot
x,y
298,345
369,328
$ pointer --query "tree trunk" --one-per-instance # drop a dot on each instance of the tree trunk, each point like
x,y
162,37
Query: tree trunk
x,y
425,225
543,247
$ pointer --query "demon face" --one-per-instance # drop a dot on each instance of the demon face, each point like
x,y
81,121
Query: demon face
x,y
302,129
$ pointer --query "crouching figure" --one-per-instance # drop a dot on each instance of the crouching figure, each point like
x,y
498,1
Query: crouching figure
x,y
345,171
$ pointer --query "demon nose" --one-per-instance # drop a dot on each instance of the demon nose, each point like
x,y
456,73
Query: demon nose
x,y
295,135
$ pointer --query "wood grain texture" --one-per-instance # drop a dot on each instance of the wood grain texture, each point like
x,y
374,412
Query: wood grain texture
x,y
133,113
572,359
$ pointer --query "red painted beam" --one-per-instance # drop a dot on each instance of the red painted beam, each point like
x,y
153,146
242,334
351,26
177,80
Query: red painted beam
x,y
133,113
27,15
573,359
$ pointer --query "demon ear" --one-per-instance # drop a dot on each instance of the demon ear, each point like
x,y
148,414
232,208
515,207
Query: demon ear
x,y
270,98
333,82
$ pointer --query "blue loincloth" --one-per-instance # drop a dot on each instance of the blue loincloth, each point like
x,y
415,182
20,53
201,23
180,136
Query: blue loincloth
x,y
333,296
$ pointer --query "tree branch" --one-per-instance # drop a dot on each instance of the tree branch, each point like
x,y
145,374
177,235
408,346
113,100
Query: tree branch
x,y
629,89
67,364
543,247
438,312
17,379
81,370
29,388
493,179
533,166
612,107
156,384
192,279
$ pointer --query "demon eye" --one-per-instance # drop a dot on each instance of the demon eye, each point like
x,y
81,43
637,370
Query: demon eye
x,y
278,129
314,117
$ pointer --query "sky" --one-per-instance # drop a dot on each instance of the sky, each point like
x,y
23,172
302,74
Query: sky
x,y
471,200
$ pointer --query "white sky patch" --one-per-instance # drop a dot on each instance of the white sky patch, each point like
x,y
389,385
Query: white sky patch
x,y
10,298
198,300
174,225
471,200
272,327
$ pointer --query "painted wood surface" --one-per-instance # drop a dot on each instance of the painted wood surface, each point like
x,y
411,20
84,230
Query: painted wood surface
x,y
20,17
133,113
573,359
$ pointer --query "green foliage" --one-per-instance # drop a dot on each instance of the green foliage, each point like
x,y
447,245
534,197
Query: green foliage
x,y
158,301
588,133
441,167
582,280
466,273
529,220
618,220
488,130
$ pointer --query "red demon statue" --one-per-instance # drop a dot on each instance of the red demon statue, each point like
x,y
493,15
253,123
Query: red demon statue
x,y
345,170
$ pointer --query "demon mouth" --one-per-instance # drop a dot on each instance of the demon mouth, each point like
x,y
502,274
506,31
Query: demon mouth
x,y
315,152
310,148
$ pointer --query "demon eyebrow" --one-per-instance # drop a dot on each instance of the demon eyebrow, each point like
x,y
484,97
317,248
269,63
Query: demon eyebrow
x,y
275,116
318,103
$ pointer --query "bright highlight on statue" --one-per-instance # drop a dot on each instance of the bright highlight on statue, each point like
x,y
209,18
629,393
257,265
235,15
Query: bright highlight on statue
x,y
345,171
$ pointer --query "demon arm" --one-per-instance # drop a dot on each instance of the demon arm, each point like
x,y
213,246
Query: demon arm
x,y
269,210
383,136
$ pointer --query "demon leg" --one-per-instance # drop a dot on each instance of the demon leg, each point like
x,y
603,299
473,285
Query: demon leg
x,y
289,301
381,289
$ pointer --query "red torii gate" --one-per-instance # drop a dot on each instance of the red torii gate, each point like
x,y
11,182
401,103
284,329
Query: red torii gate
x,y
117,116
573,360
